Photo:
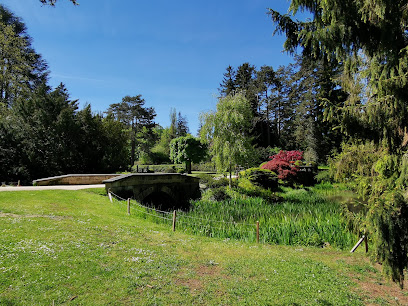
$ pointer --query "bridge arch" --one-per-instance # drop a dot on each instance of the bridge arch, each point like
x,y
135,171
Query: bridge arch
x,y
161,197
165,190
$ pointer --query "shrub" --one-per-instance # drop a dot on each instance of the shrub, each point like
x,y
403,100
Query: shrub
x,y
213,182
216,194
323,177
260,177
169,168
285,164
247,188
205,179
220,182
354,160
204,166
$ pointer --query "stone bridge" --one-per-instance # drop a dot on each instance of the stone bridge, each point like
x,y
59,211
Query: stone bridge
x,y
165,191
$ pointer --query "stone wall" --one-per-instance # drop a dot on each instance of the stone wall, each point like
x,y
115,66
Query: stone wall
x,y
75,179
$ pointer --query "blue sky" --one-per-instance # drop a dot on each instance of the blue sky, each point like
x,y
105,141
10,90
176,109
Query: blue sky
x,y
173,53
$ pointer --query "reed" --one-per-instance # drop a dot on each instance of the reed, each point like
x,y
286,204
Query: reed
x,y
304,217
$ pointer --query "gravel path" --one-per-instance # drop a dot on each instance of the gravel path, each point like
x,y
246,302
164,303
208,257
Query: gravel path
x,y
56,187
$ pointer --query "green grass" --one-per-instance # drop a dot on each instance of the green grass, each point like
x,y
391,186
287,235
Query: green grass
x,y
77,247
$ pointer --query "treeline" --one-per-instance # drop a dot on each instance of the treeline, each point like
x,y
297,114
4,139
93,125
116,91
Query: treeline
x,y
44,133
288,105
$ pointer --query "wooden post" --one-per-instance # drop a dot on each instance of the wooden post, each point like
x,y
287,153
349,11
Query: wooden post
x,y
257,231
357,244
128,206
110,196
174,221
18,184
366,243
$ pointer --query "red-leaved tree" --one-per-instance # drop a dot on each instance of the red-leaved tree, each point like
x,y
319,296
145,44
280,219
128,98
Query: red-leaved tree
x,y
285,164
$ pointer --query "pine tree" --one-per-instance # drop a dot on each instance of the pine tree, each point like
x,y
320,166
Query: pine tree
x,y
21,68
228,85
138,118
370,39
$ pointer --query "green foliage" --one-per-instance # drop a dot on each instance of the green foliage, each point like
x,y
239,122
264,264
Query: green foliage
x,y
187,149
206,166
164,168
211,181
260,177
45,135
216,194
369,37
246,187
162,146
299,217
323,177
381,211
227,132
355,160
22,69
139,121
388,216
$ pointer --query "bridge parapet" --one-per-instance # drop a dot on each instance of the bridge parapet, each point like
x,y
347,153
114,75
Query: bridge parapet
x,y
74,179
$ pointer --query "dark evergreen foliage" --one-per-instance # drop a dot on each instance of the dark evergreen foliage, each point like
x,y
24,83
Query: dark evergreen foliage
x,y
370,39
139,120
22,69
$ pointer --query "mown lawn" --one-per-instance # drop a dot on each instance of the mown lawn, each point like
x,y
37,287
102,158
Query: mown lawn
x,y
75,246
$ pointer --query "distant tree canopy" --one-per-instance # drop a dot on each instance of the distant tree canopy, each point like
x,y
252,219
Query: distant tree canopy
x,y
290,104
52,2
138,118
42,132
370,38
45,135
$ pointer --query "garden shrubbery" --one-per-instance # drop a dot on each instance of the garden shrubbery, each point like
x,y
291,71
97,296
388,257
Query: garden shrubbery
x,y
285,164
209,181
259,177
170,168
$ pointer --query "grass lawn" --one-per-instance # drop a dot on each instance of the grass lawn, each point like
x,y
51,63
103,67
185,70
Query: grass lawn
x,y
75,246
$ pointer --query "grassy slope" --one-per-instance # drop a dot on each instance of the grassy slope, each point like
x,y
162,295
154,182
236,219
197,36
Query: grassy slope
x,y
60,246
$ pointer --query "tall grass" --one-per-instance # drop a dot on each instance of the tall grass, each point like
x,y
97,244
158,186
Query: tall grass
x,y
303,217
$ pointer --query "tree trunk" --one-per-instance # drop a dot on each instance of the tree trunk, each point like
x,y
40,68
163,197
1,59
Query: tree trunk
x,y
133,145
230,176
188,166
268,122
